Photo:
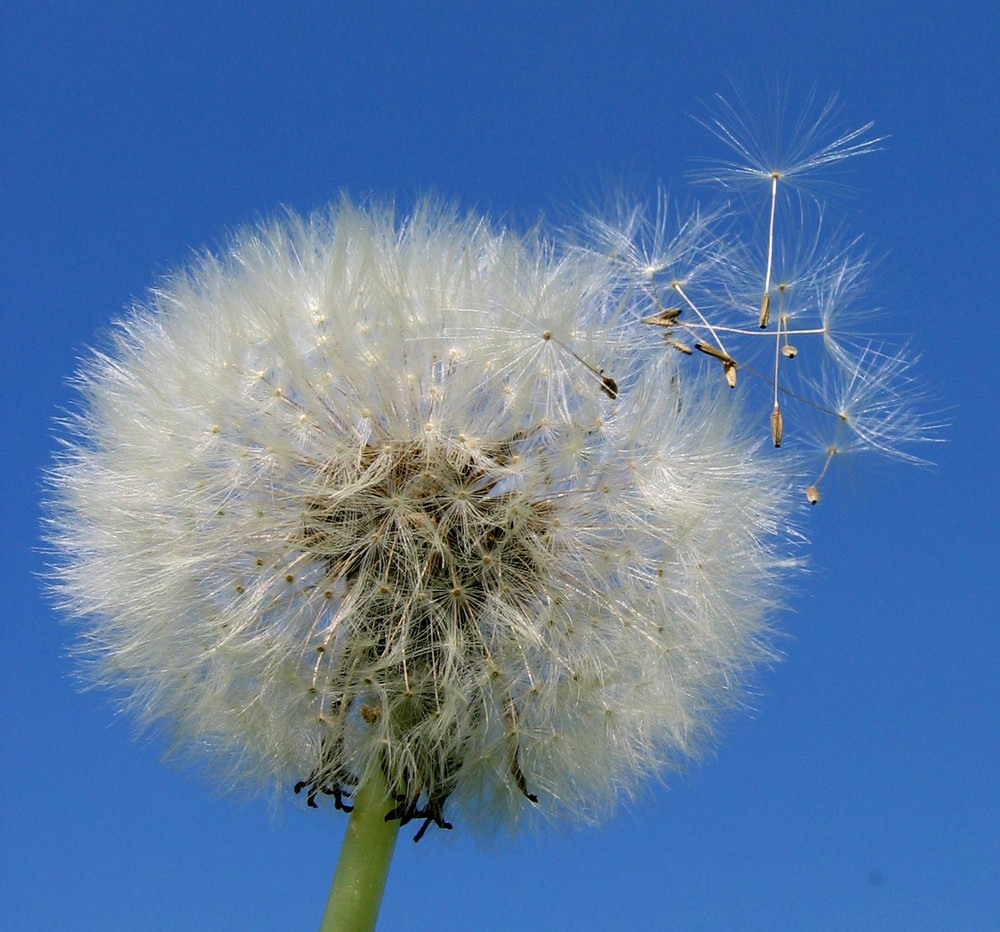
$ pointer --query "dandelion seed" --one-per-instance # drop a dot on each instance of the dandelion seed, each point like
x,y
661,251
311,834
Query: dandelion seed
x,y
877,406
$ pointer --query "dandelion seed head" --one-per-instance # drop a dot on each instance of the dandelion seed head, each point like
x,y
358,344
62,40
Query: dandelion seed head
x,y
419,494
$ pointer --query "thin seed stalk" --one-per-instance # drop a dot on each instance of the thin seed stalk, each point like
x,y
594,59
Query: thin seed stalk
x,y
363,865
676,286
766,304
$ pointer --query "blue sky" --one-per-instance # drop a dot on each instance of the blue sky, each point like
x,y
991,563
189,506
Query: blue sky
x,y
861,790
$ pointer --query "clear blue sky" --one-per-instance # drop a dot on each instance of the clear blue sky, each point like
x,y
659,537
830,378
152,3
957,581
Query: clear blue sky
x,y
862,792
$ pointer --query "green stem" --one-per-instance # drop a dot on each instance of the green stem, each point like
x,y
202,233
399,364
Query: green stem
x,y
358,882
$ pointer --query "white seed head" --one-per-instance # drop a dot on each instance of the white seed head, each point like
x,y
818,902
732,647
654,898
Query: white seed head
x,y
417,495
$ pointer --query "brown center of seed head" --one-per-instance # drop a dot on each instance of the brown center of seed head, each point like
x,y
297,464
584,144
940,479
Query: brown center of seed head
x,y
432,548
423,540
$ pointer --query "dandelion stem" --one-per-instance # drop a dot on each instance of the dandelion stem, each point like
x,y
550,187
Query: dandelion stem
x,y
358,882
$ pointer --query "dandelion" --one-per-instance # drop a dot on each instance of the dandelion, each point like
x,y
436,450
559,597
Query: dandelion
x,y
412,505
432,522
